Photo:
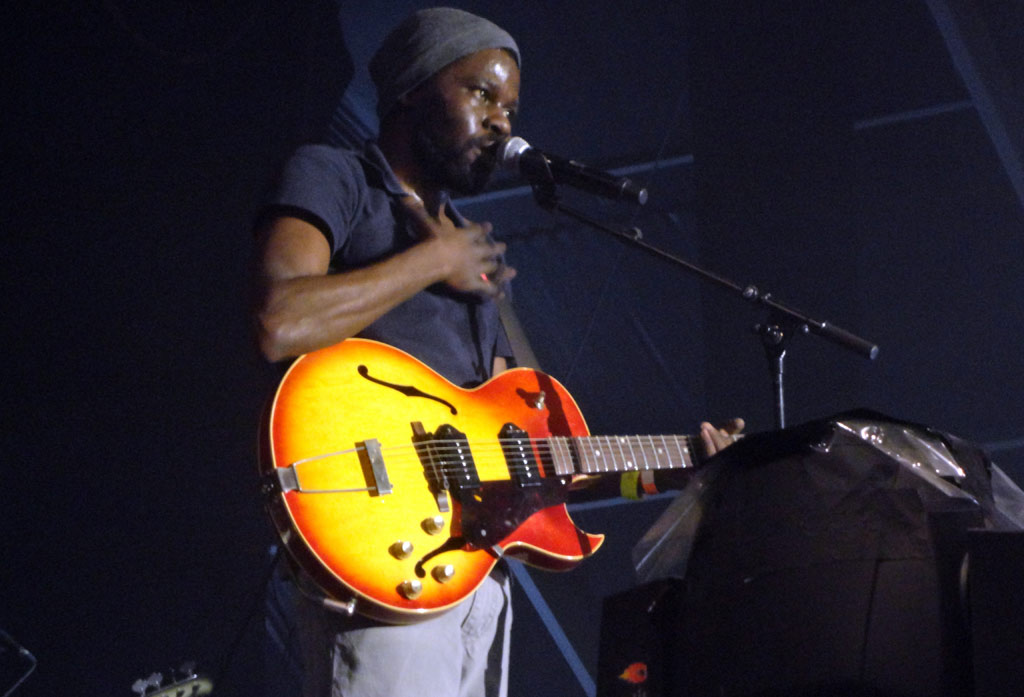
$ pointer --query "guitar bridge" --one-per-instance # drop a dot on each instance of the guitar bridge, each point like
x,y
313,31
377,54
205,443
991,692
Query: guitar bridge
x,y
371,449
284,479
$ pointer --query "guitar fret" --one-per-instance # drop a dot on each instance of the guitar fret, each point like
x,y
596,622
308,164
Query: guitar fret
x,y
594,456
623,459
654,453
601,454
589,449
561,455
605,453
662,454
665,450
580,444
632,463
682,451
658,453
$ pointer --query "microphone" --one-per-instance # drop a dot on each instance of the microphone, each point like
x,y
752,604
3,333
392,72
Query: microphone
x,y
541,168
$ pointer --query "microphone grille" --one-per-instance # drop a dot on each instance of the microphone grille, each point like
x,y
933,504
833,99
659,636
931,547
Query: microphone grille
x,y
510,150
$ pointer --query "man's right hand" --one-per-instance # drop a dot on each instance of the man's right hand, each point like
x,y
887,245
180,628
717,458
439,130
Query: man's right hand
x,y
471,258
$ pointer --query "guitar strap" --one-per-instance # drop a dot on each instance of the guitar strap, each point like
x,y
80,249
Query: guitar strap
x,y
525,358
521,350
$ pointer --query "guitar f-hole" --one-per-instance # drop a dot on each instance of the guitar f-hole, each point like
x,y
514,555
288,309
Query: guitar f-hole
x,y
450,545
407,390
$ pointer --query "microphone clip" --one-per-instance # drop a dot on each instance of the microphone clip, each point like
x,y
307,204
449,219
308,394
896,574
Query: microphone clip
x,y
537,171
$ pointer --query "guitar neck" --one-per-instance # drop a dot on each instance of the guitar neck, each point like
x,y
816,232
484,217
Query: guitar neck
x,y
604,454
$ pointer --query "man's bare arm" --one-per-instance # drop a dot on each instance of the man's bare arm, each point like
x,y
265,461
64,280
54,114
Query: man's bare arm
x,y
301,308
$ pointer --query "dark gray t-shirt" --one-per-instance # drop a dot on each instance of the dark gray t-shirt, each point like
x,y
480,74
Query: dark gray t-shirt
x,y
353,199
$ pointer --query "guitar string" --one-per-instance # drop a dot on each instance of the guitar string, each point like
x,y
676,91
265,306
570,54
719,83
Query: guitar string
x,y
619,448
405,456
448,449
487,449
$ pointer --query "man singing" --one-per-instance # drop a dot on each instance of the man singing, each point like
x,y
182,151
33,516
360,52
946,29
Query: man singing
x,y
368,244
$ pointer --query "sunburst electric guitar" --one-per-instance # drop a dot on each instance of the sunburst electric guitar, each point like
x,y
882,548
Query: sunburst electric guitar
x,y
398,491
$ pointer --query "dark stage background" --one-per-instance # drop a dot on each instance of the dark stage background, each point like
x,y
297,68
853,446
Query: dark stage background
x,y
861,160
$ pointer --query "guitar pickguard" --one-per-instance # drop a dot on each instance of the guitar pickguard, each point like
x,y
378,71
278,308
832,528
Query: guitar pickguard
x,y
497,509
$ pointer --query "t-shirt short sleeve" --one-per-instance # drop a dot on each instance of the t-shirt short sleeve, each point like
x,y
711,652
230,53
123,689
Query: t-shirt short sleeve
x,y
323,186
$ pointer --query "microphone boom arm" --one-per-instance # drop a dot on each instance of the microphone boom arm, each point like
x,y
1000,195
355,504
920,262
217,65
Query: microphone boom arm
x,y
783,321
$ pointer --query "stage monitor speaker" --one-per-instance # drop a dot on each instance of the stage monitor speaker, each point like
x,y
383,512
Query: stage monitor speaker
x,y
996,583
830,561
632,658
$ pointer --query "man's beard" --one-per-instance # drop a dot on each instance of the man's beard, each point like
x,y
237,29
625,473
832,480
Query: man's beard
x,y
448,166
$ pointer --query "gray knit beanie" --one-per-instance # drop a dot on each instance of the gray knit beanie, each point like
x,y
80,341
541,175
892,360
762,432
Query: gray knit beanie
x,y
424,44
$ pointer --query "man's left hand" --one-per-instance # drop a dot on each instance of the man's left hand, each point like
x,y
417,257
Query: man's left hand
x,y
717,437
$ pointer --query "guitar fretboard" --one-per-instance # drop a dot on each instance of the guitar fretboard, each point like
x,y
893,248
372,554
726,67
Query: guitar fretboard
x,y
601,454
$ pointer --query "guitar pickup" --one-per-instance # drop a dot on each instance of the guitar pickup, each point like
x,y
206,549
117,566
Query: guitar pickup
x,y
519,457
438,485
447,461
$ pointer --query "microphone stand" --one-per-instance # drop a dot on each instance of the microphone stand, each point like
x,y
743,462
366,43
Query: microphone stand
x,y
776,332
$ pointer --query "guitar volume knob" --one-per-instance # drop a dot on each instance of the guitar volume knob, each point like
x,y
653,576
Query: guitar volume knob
x,y
410,589
433,526
401,549
443,573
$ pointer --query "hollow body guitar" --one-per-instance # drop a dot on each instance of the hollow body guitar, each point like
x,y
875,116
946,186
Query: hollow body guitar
x,y
397,492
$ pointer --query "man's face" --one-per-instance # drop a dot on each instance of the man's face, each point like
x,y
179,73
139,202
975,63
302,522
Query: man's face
x,y
463,113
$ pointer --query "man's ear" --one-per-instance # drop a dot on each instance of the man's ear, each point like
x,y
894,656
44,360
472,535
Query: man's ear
x,y
400,111
410,99
403,102
404,105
